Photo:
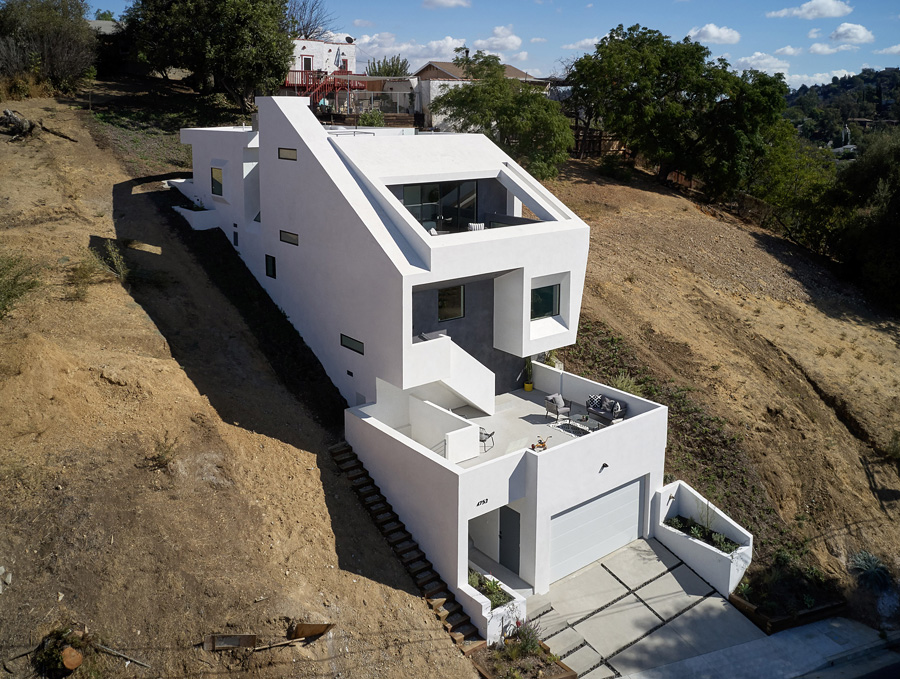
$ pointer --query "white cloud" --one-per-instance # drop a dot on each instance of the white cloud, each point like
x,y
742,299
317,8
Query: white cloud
x,y
502,39
381,45
789,51
719,35
889,50
853,33
814,33
815,79
822,48
589,5
362,23
520,56
586,44
441,4
761,61
539,40
815,9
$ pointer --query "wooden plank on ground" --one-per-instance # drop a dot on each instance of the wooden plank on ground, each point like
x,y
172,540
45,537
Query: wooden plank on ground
x,y
224,642
307,629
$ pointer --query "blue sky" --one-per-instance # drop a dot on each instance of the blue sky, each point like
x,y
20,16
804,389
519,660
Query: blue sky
x,y
809,42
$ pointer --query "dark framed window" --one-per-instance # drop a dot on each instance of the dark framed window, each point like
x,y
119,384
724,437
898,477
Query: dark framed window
x,y
288,237
216,179
353,344
307,63
234,238
258,217
545,302
287,154
451,303
443,206
270,266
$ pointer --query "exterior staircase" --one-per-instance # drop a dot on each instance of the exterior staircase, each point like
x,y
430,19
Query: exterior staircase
x,y
438,596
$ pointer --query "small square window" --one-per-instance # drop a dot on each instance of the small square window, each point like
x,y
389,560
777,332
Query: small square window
x,y
234,238
287,154
353,344
216,176
258,217
288,237
545,302
270,266
451,303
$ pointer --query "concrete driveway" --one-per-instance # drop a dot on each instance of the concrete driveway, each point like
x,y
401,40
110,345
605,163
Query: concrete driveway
x,y
638,608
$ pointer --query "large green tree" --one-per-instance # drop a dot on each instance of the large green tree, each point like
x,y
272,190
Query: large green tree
x,y
389,67
675,105
242,46
516,116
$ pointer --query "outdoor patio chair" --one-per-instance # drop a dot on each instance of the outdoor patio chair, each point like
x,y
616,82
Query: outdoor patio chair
x,y
484,436
556,404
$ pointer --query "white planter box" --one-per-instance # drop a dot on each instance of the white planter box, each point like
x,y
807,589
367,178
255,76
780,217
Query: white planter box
x,y
722,571
491,624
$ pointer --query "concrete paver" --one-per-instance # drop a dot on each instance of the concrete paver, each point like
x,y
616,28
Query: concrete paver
x,y
551,623
583,659
674,591
618,625
714,624
662,647
602,672
636,563
564,642
584,591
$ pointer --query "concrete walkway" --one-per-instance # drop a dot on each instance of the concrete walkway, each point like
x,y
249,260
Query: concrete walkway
x,y
636,609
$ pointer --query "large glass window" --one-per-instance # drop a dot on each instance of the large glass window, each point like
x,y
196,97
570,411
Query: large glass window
x,y
545,302
216,176
451,303
443,206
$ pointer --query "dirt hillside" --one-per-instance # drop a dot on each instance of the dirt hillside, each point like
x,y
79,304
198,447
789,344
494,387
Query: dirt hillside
x,y
797,363
157,481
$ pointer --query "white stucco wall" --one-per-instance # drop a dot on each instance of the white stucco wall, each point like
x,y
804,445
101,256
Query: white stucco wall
x,y
323,54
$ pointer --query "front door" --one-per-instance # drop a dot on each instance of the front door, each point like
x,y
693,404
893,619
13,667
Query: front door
x,y
509,539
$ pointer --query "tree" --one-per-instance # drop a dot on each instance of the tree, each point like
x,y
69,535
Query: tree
x,y
670,102
242,46
389,67
47,38
309,19
104,15
516,116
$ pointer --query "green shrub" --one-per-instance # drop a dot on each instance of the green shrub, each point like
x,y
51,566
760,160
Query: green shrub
x,y
374,118
625,382
870,571
528,636
17,277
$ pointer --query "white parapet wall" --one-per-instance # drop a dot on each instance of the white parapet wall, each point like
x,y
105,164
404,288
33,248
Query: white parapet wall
x,y
722,571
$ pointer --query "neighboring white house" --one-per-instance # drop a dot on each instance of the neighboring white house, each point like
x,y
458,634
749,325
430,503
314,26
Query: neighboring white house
x,y
320,55
406,264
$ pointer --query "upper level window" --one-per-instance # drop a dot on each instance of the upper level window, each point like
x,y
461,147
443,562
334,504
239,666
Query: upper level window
x,y
443,206
287,154
288,237
545,302
451,303
307,63
270,266
216,176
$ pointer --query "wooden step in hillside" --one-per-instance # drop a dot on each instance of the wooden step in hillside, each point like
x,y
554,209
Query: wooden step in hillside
x,y
435,591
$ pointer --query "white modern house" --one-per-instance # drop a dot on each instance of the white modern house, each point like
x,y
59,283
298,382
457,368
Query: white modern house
x,y
422,270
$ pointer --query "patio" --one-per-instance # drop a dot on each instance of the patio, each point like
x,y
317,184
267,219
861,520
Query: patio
x,y
637,608
519,419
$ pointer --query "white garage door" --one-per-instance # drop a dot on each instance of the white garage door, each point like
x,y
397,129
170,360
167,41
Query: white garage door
x,y
582,534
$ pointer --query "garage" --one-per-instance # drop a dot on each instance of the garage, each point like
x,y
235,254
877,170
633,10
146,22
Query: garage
x,y
582,534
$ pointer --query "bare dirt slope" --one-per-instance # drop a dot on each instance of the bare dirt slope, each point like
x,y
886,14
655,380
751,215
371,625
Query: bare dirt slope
x,y
792,358
157,480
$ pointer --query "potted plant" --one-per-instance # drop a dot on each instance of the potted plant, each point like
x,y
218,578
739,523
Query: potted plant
x,y
529,375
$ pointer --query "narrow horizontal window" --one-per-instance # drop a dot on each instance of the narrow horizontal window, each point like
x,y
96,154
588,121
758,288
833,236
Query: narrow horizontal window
x,y
288,237
545,302
352,344
270,266
217,183
287,154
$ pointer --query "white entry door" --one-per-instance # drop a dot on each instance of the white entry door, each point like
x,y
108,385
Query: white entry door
x,y
582,534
